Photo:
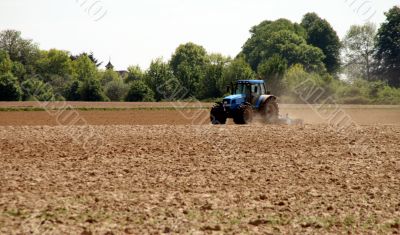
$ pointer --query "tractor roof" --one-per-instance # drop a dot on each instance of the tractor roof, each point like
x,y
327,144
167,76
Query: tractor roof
x,y
250,81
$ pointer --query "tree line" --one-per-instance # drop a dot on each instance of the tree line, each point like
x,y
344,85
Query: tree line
x,y
363,67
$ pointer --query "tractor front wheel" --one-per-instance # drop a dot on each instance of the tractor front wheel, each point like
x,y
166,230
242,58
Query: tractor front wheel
x,y
244,115
218,115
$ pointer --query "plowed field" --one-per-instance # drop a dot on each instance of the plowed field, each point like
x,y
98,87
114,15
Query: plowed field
x,y
161,172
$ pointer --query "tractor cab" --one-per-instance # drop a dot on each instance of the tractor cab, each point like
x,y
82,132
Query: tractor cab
x,y
246,91
251,89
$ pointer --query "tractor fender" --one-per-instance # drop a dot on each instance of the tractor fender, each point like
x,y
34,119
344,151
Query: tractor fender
x,y
264,98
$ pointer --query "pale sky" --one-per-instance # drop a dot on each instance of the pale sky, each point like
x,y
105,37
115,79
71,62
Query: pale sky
x,y
135,32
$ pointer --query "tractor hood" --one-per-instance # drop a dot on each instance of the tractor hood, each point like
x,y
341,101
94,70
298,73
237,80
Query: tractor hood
x,y
234,100
235,97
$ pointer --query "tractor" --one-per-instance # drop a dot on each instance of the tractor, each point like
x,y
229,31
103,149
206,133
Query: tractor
x,y
248,97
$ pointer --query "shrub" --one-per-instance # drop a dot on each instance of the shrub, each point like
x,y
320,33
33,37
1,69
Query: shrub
x,y
388,95
91,90
72,91
139,91
34,89
301,86
9,88
108,76
116,90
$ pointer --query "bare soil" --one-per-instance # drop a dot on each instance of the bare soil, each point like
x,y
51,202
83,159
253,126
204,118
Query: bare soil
x,y
161,174
361,115
104,104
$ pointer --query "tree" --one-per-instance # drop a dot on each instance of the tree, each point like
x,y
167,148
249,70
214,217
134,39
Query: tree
x,y
85,69
109,76
18,70
6,65
21,50
285,39
161,80
237,69
388,48
134,73
321,34
9,88
273,71
54,63
36,90
90,56
188,64
304,87
72,90
91,90
116,90
209,86
139,91
358,51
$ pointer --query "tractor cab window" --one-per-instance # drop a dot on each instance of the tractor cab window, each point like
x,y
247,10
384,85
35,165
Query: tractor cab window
x,y
256,90
242,89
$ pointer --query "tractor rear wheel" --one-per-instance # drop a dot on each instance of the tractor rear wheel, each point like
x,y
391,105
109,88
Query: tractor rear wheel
x,y
218,115
270,111
244,115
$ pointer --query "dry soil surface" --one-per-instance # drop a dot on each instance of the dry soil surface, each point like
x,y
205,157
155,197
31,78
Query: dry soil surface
x,y
170,171
360,115
188,179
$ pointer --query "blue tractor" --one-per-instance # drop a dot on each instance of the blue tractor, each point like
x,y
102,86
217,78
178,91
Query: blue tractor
x,y
247,98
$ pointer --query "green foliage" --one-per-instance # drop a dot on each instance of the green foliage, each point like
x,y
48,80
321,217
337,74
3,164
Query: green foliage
x,y
108,76
91,90
36,90
301,87
304,87
388,48
54,63
188,64
139,91
284,39
71,92
18,70
237,69
292,58
116,90
20,50
358,50
388,95
58,85
89,55
272,71
209,86
269,27
85,69
321,34
9,88
161,80
6,65
135,73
